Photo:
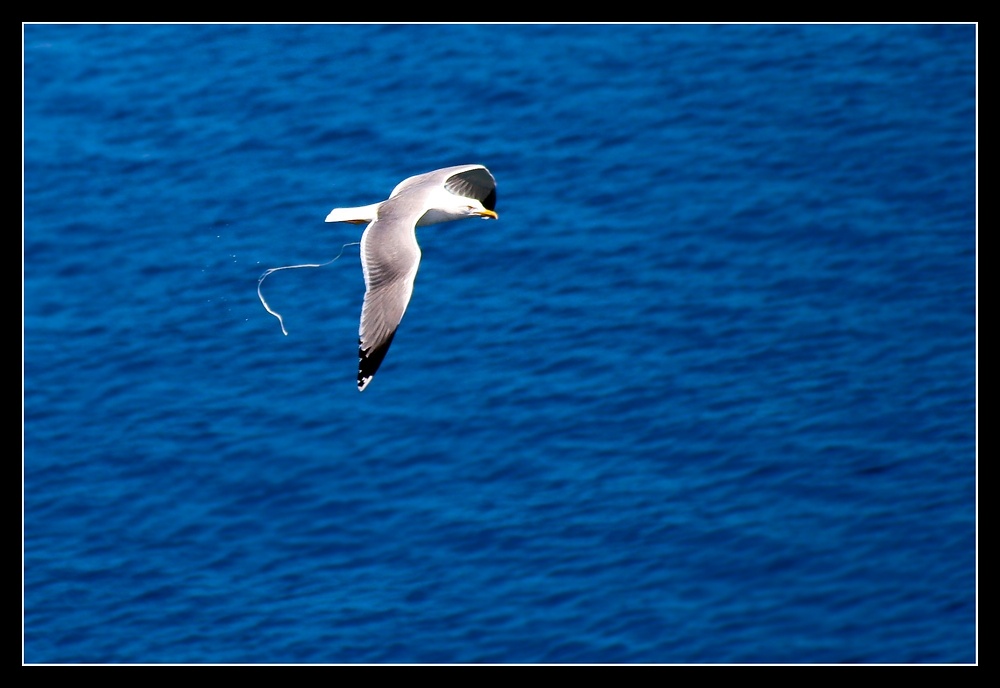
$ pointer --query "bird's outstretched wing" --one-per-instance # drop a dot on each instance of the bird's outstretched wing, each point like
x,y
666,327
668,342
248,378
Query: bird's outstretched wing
x,y
390,257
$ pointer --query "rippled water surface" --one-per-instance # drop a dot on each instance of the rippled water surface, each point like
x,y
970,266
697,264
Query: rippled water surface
x,y
705,393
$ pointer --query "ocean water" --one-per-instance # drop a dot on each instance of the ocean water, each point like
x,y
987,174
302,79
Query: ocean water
x,y
705,393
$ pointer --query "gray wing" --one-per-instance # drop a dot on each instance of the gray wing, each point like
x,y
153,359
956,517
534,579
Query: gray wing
x,y
390,257
473,181
470,181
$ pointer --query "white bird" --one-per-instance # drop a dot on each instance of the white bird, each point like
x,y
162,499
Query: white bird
x,y
390,255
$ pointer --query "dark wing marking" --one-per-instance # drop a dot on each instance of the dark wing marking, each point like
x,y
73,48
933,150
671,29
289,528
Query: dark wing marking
x,y
370,360
476,183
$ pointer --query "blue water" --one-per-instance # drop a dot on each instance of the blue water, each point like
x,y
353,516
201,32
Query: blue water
x,y
705,393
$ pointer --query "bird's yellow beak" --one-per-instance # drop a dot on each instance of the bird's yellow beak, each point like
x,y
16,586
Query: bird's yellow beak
x,y
489,213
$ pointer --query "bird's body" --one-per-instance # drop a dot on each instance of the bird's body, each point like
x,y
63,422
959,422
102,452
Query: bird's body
x,y
390,255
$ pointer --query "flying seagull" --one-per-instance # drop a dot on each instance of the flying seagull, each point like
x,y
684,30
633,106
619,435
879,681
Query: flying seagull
x,y
390,255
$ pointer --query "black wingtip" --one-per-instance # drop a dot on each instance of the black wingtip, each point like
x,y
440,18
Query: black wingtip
x,y
490,202
370,360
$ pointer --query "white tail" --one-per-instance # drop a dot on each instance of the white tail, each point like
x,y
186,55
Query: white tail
x,y
357,216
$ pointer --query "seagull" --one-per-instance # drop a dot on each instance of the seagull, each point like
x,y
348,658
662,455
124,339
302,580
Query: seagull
x,y
390,255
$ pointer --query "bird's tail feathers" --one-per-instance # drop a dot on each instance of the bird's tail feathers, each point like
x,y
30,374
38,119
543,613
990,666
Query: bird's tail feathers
x,y
357,216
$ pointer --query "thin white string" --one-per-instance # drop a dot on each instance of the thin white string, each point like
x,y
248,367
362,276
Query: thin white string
x,y
290,267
